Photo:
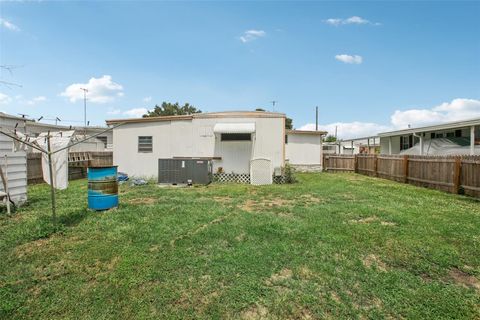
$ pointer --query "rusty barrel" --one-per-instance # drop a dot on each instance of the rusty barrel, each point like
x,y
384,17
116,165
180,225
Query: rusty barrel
x,y
102,187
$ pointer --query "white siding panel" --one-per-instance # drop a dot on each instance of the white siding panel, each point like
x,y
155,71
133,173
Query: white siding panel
x,y
17,161
303,149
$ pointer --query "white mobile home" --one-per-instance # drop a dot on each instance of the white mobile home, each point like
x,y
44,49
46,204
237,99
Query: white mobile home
x,y
16,162
304,149
229,139
452,138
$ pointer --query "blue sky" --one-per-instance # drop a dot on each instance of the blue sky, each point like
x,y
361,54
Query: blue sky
x,y
369,66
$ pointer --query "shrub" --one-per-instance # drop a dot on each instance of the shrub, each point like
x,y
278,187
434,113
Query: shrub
x,y
289,173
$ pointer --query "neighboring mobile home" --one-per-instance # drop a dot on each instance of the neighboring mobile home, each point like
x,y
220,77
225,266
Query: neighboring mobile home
x,y
229,139
459,137
103,142
360,145
15,162
304,149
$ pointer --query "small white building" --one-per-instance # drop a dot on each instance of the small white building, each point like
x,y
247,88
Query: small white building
x,y
304,149
230,139
452,138
16,162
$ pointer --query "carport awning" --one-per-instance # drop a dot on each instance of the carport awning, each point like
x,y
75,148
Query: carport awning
x,y
234,128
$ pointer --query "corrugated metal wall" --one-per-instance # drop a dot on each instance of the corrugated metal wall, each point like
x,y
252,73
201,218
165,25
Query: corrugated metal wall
x,y
17,161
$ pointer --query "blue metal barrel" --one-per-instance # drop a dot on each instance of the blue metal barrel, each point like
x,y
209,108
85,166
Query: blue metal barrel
x,y
102,187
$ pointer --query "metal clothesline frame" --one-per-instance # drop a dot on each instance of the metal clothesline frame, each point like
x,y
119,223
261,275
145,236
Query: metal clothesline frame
x,y
49,154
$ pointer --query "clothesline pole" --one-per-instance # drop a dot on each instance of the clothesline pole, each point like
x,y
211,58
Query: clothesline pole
x,y
52,188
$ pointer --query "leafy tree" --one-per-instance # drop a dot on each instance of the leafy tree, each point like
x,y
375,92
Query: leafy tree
x,y
260,109
171,109
330,138
288,123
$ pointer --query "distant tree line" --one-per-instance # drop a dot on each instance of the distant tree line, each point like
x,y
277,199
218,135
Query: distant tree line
x,y
175,109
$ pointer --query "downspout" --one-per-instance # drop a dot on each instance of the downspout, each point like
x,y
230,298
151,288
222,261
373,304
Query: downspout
x,y
421,142
472,140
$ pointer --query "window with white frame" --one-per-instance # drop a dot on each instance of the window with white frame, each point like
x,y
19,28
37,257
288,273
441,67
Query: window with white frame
x,y
145,144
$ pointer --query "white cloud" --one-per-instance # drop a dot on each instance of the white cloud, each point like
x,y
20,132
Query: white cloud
x,y
352,20
147,99
356,20
346,58
36,100
334,21
4,99
456,110
135,112
100,90
8,25
251,35
347,130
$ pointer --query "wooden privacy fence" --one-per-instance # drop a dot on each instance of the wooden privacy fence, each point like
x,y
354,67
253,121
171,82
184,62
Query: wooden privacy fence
x,y
78,162
456,174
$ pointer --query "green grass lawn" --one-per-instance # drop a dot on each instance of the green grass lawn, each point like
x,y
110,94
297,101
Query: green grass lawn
x,y
331,246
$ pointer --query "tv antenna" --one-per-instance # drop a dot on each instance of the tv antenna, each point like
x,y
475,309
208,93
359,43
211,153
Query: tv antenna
x,y
273,102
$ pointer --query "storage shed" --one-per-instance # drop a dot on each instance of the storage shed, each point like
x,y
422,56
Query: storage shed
x,y
16,162
304,149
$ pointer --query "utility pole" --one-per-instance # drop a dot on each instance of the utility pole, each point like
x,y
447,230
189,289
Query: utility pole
x,y
316,118
85,109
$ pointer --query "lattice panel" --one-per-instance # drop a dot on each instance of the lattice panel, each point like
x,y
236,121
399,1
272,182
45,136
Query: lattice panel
x,y
231,177
279,179
261,172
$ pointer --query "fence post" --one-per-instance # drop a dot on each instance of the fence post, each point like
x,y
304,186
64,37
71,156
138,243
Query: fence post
x,y
355,163
375,165
405,168
457,175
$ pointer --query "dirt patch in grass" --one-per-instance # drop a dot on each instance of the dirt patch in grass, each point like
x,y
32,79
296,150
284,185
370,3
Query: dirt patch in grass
x,y
145,200
249,206
388,223
464,279
256,312
310,199
373,260
372,219
305,273
280,276
348,196
335,297
222,200
364,220
240,237
29,248
252,205
155,248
